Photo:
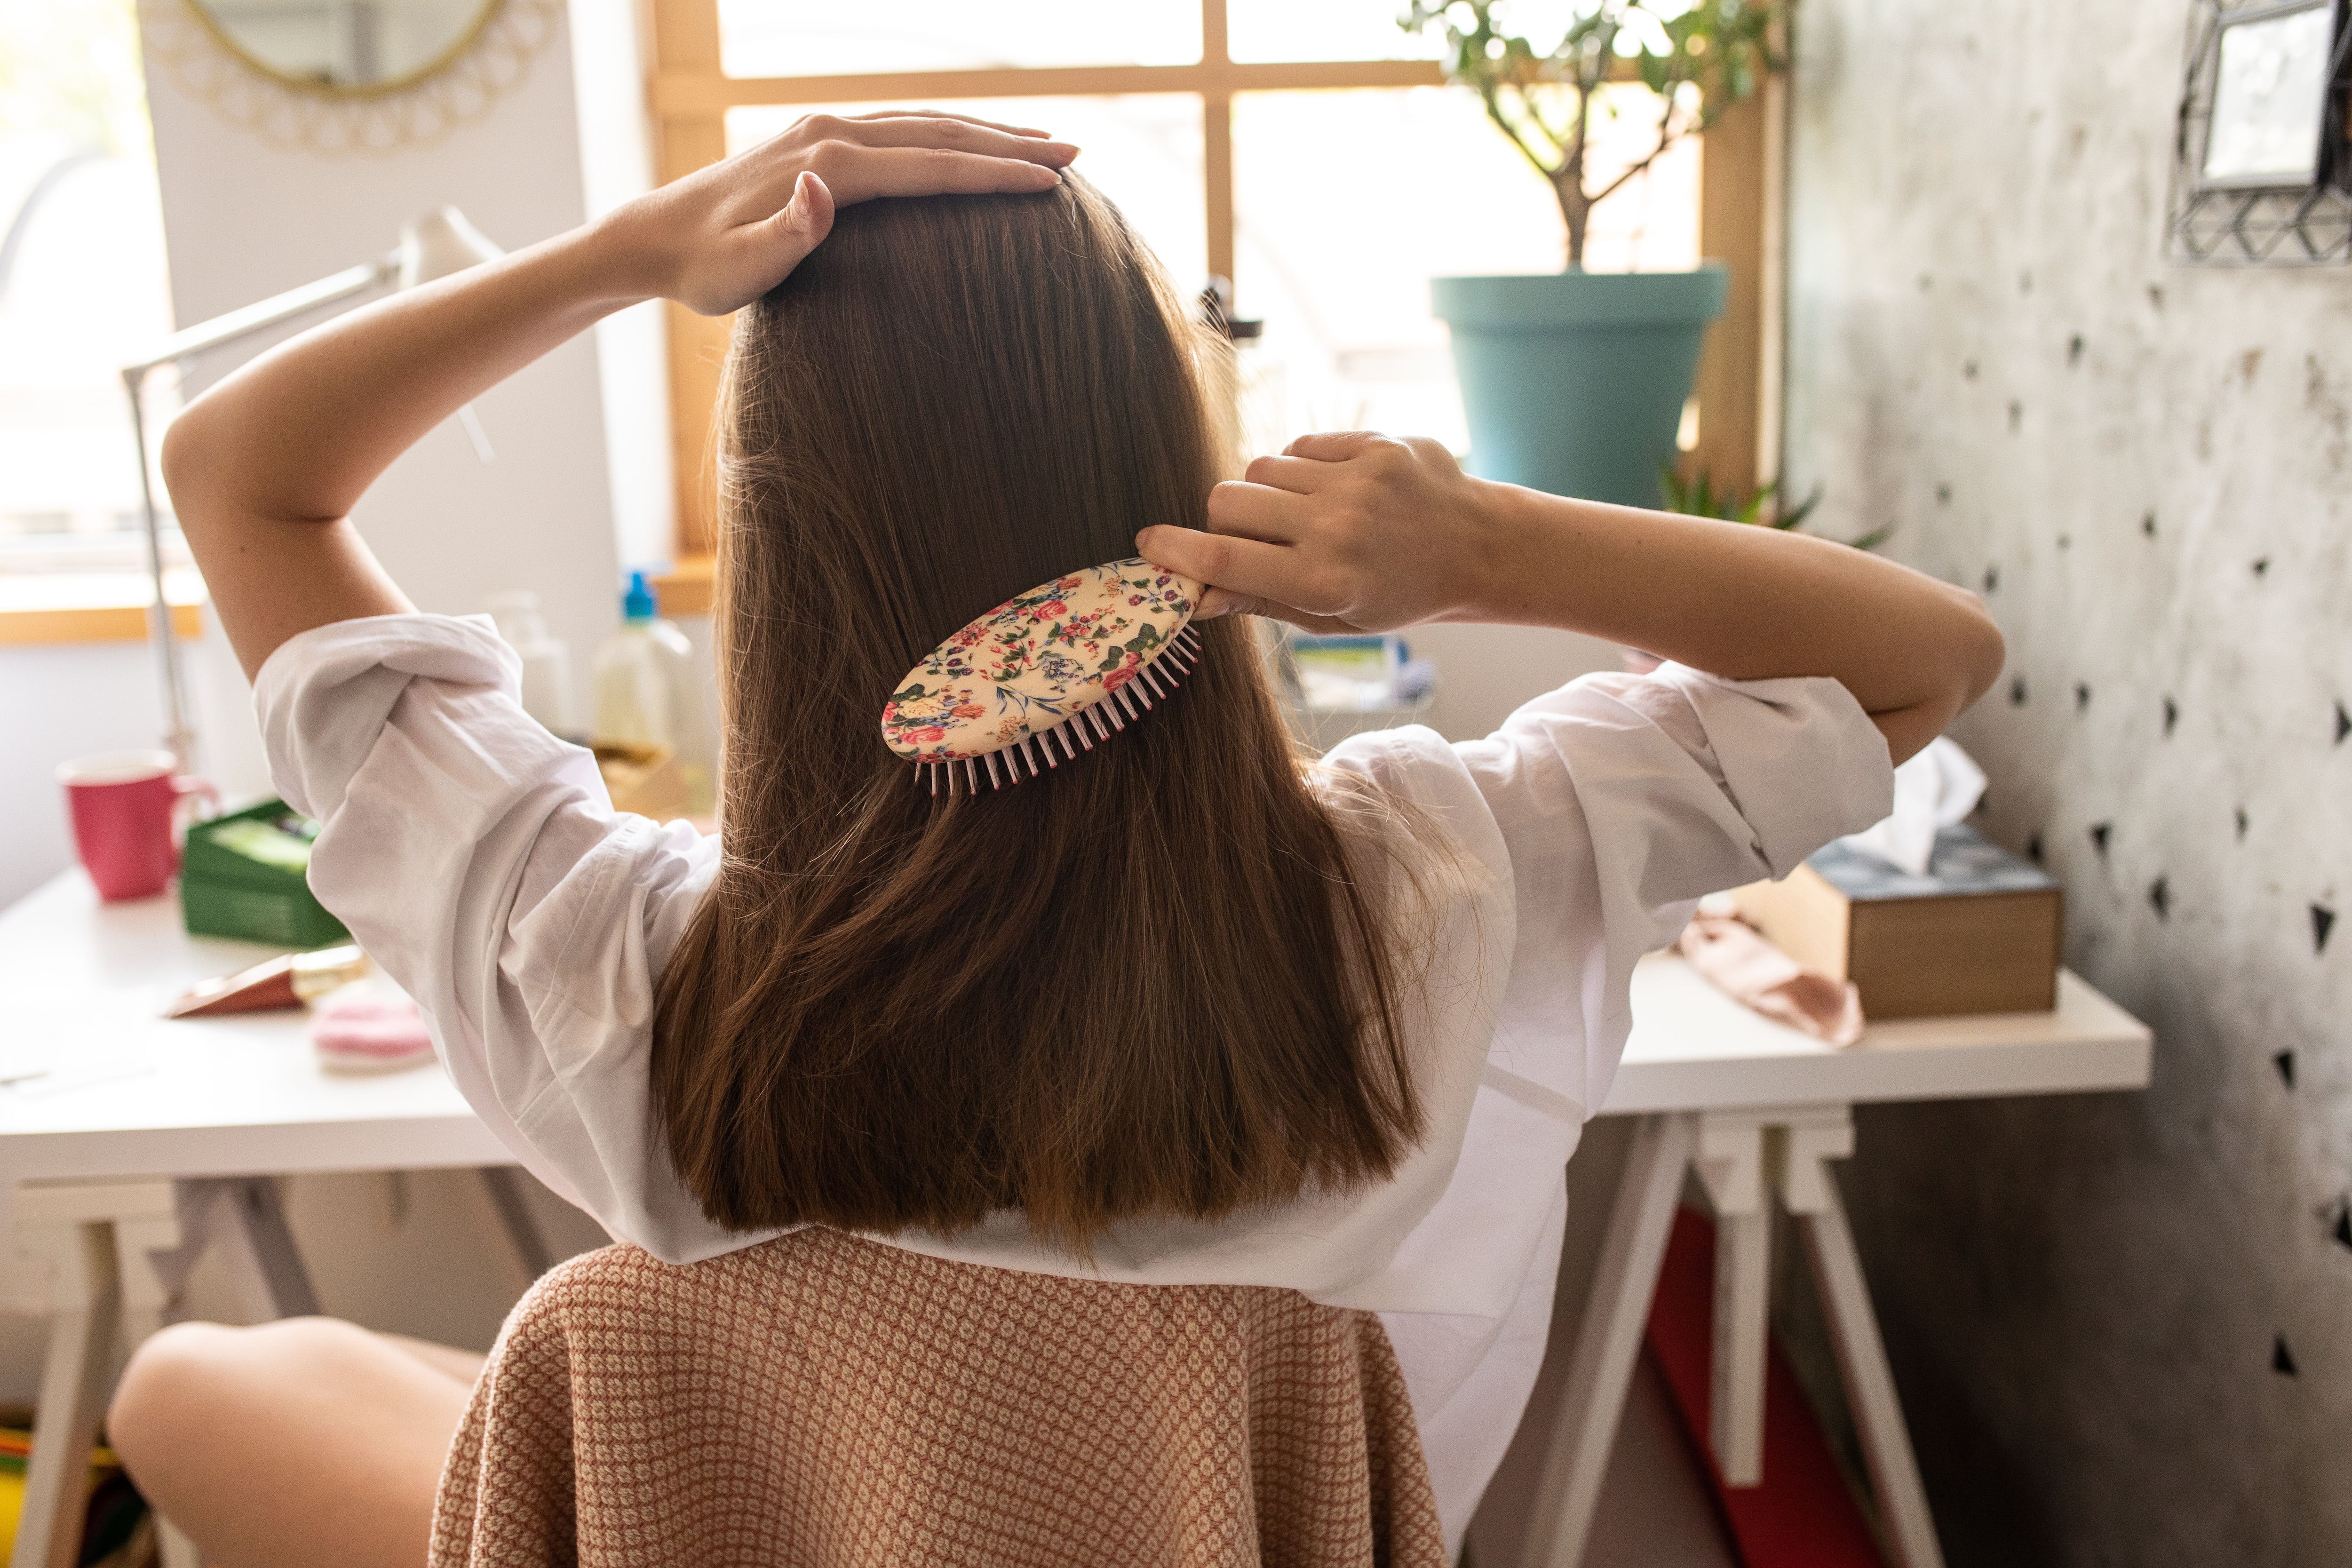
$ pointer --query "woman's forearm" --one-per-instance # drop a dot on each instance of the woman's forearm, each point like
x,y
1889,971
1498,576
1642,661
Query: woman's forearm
x,y
1358,531
1746,603
265,468
300,433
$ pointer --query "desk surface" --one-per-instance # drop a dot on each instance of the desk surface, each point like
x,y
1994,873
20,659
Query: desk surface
x,y
1695,1049
83,986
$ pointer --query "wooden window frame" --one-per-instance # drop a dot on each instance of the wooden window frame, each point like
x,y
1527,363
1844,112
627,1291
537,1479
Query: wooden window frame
x,y
689,94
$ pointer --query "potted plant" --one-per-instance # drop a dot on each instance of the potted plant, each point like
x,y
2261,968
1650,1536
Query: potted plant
x,y
1574,381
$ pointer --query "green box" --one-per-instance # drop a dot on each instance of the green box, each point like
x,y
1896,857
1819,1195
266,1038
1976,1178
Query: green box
x,y
223,893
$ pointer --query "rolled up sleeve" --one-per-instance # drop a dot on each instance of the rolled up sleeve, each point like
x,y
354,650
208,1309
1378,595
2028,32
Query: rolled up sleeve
x,y
478,860
1621,800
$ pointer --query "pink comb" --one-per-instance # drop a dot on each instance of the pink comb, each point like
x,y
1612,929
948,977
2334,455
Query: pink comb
x,y
1080,655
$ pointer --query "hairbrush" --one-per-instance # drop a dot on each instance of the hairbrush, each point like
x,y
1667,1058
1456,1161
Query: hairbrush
x,y
1075,656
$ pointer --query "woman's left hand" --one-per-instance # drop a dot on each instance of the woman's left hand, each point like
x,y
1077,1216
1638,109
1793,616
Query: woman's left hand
x,y
720,238
265,468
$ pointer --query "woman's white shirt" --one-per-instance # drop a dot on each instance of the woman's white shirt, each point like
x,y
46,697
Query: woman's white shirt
x,y
479,861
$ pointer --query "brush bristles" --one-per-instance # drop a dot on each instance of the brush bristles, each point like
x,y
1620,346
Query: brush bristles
x,y
1107,718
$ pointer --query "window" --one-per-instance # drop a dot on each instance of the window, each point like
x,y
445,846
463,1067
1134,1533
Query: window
x,y
83,292
1347,202
1307,149
1144,148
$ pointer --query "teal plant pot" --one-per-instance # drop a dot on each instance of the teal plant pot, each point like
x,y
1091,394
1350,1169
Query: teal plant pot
x,y
1574,381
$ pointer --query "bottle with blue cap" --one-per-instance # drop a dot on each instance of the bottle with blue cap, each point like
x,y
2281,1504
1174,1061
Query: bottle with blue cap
x,y
648,690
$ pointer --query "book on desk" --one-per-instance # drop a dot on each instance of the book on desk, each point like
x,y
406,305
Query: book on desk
x,y
1979,932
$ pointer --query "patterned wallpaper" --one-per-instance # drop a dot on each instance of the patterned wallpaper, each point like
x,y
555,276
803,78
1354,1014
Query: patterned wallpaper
x,y
2123,1324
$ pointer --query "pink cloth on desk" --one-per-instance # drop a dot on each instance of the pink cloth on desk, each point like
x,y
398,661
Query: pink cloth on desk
x,y
1736,957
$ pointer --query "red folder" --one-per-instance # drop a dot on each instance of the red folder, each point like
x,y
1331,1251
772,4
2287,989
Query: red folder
x,y
1801,1515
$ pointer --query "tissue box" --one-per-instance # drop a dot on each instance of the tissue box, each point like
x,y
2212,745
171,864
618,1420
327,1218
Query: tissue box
x,y
224,893
1978,933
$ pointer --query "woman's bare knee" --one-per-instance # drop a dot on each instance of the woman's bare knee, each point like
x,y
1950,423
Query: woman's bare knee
x,y
304,1440
169,1380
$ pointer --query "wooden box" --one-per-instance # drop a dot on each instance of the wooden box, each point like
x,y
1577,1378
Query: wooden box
x,y
1978,933
646,779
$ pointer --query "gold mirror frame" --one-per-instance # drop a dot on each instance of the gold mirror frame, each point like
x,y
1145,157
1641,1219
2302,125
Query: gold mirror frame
x,y
485,13
461,85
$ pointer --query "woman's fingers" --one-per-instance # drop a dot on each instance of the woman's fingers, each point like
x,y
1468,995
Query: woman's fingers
x,y
723,236
859,174
800,226
949,132
750,259
1301,476
1029,132
1256,511
1352,526
1245,568
1219,601
1338,445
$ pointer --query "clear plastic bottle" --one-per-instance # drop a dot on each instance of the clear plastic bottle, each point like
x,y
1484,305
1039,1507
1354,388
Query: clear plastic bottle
x,y
546,662
647,691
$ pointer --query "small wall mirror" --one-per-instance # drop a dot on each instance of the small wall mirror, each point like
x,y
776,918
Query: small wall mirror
x,y
2263,155
347,47
2272,71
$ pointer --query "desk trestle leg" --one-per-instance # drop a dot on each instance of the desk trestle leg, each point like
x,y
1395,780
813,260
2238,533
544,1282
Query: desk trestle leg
x,y
121,1252
1740,1158
246,1217
1730,1164
74,1226
1809,1191
1609,1341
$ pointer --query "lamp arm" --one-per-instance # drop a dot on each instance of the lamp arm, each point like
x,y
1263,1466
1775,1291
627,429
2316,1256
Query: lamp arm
x,y
222,329
177,736
231,325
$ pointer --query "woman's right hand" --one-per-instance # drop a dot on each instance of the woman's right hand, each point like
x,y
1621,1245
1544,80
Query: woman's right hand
x,y
1360,532
1350,531
720,238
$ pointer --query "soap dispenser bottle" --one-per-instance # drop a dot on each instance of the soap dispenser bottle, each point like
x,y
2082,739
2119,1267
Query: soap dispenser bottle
x,y
647,692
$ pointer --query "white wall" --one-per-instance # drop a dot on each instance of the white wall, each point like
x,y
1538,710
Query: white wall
x,y
244,220
581,483
2146,468
57,703
1484,672
608,55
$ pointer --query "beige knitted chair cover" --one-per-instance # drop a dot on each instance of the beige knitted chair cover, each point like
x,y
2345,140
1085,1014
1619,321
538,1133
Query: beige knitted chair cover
x,y
822,1402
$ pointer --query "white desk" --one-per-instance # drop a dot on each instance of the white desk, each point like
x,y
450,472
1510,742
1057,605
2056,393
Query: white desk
x,y
1759,1109
104,1177
143,1142
84,986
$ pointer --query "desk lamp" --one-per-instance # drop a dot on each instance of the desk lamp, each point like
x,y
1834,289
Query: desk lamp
x,y
434,246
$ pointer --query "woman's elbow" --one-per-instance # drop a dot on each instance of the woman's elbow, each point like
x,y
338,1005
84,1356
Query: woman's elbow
x,y
184,463
1979,649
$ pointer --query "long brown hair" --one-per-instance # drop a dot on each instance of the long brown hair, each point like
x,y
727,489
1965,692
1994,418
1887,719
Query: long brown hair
x,y
1155,983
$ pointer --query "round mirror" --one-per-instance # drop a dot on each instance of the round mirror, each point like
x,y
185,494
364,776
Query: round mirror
x,y
347,46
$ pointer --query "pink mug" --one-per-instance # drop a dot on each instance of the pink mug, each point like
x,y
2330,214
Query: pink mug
x,y
126,809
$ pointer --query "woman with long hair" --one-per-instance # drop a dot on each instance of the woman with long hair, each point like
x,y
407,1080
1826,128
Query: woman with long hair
x,y
1181,1009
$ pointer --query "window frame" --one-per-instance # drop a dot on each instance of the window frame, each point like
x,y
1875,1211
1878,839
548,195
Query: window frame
x,y
688,93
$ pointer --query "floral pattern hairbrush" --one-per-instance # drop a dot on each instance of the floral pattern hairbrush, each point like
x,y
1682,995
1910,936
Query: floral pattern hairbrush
x,y
1077,657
